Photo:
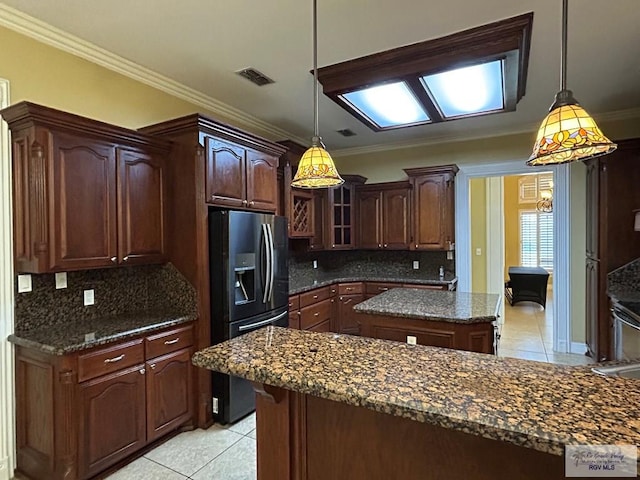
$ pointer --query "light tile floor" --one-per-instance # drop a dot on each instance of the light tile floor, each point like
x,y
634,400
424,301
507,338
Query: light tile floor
x,y
527,332
229,452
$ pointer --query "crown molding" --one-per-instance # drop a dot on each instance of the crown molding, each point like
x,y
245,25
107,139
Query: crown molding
x,y
43,32
631,113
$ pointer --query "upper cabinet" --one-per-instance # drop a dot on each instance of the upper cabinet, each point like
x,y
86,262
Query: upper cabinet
x,y
341,210
433,207
298,202
240,177
385,216
86,194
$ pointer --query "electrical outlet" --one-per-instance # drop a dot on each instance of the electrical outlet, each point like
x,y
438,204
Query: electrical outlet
x,y
449,255
315,264
24,283
214,404
89,337
478,251
89,297
411,340
416,265
61,280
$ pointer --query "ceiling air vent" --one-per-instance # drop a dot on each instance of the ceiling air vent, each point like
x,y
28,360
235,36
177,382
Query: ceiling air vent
x,y
255,76
346,132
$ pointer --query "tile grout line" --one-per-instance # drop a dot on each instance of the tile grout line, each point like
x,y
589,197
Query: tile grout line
x,y
165,466
241,437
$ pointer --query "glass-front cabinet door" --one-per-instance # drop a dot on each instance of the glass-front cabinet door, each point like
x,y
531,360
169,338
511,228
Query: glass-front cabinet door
x,y
342,209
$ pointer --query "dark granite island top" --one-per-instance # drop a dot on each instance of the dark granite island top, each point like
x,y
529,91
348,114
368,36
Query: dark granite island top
x,y
311,281
435,305
531,405
71,336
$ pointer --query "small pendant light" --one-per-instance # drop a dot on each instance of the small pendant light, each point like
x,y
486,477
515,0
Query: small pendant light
x,y
316,168
568,133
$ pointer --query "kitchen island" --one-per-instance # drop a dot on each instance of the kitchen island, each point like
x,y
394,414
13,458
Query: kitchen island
x,y
461,320
342,407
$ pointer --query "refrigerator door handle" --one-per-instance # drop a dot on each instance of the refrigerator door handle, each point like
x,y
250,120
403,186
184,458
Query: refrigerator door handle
x,y
267,254
272,271
242,328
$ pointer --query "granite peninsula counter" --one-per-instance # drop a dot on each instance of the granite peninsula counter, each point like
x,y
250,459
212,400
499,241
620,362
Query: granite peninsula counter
x,y
461,320
354,406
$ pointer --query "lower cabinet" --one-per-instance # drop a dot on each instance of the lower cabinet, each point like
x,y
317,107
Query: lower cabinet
x,y
350,294
79,414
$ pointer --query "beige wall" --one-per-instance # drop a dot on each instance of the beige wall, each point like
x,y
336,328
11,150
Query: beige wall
x,y
478,200
48,76
511,223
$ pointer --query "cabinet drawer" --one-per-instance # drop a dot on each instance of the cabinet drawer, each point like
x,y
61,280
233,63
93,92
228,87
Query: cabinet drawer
x,y
350,288
314,314
294,303
168,341
379,287
314,296
110,359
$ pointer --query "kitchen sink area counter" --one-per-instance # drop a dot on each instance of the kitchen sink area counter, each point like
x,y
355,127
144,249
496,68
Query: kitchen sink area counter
x,y
531,405
456,307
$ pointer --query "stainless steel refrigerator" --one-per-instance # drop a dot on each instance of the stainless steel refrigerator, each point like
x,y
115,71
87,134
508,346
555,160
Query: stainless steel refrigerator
x,y
249,290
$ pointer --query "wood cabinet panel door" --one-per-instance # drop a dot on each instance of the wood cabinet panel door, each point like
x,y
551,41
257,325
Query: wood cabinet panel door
x,y
429,205
83,204
168,393
262,181
395,214
370,217
141,220
112,419
318,241
348,320
225,173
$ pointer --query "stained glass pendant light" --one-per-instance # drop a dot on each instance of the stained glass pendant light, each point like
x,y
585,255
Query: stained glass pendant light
x,y
316,168
568,133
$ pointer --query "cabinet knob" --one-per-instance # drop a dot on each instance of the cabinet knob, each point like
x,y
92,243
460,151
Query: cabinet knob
x,y
125,258
252,203
379,245
142,371
114,259
244,202
153,366
416,245
386,245
333,246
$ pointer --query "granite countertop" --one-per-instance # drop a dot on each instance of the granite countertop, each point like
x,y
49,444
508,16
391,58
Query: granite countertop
x,y
534,405
305,283
436,305
70,336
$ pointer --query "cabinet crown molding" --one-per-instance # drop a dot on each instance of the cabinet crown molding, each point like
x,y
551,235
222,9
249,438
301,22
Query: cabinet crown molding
x,y
27,114
416,172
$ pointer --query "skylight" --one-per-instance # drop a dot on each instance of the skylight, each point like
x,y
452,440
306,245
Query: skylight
x,y
389,105
467,90
474,72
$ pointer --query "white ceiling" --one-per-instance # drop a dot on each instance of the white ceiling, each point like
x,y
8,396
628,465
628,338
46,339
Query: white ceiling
x,y
201,43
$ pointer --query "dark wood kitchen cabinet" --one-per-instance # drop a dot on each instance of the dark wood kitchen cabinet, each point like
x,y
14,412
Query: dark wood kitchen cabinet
x,y
240,177
611,241
86,194
384,216
341,212
349,295
433,206
81,413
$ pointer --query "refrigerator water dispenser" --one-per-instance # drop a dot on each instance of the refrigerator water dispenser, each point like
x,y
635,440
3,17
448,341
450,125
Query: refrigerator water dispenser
x,y
245,274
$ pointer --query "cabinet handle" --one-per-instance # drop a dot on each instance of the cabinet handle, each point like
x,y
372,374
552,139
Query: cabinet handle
x,y
171,342
315,297
317,314
125,258
114,359
153,366
114,259
348,301
142,371
383,289
349,289
333,290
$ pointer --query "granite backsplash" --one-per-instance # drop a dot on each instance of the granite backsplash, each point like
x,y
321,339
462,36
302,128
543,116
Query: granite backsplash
x,y
625,281
117,291
354,263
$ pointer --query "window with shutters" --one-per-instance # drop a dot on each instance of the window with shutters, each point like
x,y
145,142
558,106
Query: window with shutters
x,y
536,239
531,187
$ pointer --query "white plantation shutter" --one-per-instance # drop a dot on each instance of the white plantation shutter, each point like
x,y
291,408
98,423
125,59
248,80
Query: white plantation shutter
x,y
536,239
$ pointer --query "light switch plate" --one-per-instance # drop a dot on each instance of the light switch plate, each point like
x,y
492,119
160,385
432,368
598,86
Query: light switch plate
x,y
61,280
411,340
478,251
315,264
24,283
449,255
89,298
416,265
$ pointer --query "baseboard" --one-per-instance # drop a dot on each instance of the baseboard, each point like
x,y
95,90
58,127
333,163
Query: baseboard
x,y
4,469
578,347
